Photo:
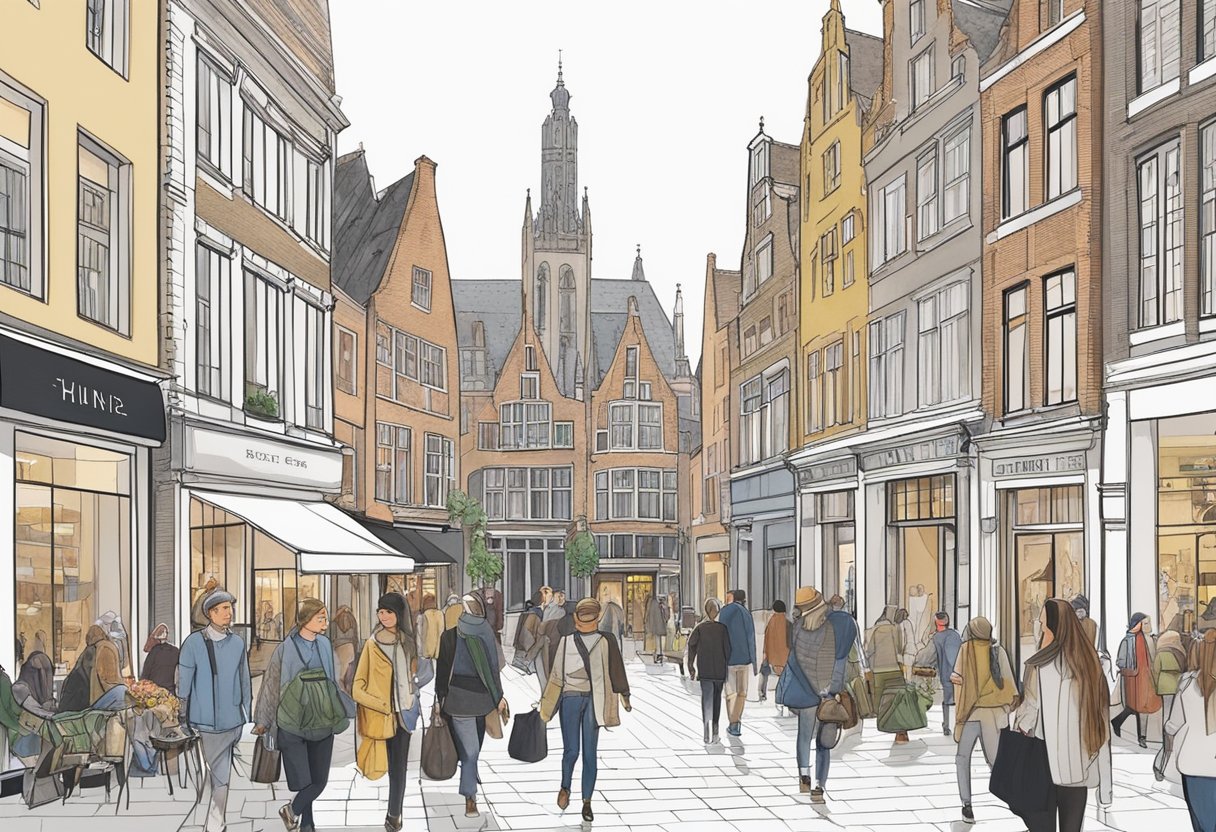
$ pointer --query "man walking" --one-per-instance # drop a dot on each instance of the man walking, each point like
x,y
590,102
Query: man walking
x,y
737,619
213,682
946,644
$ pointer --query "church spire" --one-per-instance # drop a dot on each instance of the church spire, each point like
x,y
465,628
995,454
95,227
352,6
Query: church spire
x,y
559,202
683,368
638,272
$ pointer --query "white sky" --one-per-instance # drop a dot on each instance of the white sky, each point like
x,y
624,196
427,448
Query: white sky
x,y
667,96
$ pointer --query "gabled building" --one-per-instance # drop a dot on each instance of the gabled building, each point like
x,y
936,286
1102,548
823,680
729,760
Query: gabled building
x,y
763,414
833,304
396,375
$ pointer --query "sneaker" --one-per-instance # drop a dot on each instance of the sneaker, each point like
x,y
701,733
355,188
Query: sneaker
x,y
817,795
588,815
804,784
968,815
470,808
735,729
289,817
563,799
1143,742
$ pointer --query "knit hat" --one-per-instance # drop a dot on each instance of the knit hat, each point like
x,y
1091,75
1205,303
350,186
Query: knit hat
x,y
218,596
394,602
1135,619
308,608
808,598
587,609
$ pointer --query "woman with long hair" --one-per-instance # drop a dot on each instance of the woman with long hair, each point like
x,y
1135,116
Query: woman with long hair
x,y
1136,660
1066,702
1190,730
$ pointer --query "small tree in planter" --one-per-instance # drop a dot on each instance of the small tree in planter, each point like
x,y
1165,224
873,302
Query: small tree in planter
x,y
581,555
482,567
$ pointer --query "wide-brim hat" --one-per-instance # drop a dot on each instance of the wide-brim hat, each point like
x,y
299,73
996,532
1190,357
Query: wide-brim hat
x,y
807,597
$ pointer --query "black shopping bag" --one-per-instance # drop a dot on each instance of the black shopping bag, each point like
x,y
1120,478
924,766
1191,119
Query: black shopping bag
x,y
1021,775
529,743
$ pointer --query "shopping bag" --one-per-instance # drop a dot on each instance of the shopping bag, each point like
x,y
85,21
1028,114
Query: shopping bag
x,y
925,662
529,741
267,765
438,748
863,697
1021,774
900,710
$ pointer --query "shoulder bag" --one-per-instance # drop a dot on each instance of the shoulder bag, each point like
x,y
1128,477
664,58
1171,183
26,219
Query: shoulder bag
x,y
438,758
310,706
529,741
267,765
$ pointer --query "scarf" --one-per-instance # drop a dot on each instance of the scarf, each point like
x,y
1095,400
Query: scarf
x,y
977,636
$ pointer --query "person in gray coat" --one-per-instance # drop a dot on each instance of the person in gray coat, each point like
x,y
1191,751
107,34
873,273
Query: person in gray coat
x,y
946,644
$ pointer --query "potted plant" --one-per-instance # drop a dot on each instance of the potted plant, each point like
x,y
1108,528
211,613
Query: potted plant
x,y
482,566
261,402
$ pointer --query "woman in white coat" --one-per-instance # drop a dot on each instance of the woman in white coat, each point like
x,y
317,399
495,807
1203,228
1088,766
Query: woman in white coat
x,y
1190,728
1066,702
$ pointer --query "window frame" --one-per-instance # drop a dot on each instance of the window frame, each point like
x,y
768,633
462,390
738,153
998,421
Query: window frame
x,y
395,452
258,333
420,290
1166,293
109,39
213,81
212,323
28,162
438,454
353,388
957,187
1065,126
1010,147
1020,323
1063,311
916,99
928,203
115,235
1160,68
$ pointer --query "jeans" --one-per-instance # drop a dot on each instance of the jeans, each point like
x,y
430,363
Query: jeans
x,y
577,714
398,761
306,764
808,729
987,732
711,702
468,732
217,754
1118,721
1200,794
1066,802
945,716
738,677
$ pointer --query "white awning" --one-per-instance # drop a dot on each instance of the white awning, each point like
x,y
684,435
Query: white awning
x,y
325,539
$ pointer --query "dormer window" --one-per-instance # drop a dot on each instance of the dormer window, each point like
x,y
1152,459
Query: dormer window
x,y
530,357
631,363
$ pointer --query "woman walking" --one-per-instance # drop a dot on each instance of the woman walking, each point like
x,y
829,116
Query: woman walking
x,y
1135,662
386,689
301,725
776,646
469,688
587,679
1168,667
656,629
909,643
984,691
708,656
1065,703
1191,731
346,644
883,646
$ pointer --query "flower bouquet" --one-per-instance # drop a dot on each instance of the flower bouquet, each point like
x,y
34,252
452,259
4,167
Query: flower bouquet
x,y
152,697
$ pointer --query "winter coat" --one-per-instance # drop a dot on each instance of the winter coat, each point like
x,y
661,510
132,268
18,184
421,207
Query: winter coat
x,y
777,641
160,668
814,652
220,703
375,720
608,681
946,643
1136,660
107,663
709,651
1167,670
1051,711
1187,724
455,669
883,647
738,620
656,625
979,689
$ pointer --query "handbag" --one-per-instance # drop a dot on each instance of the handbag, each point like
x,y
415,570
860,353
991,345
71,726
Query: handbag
x,y
529,741
925,663
438,748
831,711
267,765
1021,774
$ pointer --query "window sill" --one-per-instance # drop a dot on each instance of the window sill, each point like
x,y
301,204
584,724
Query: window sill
x,y
1035,215
215,179
945,234
1153,97
1202,72
1207,324
420,307
1157,333
271,424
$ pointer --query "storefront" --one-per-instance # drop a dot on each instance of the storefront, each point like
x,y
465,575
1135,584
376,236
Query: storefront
x,y
827,526
713,556
764,551
1186,523
76,431
435,553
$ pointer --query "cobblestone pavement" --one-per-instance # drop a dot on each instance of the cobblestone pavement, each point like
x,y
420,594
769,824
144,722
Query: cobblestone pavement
x,y
655,774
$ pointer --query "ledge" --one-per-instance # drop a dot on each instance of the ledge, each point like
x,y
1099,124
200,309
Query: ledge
x,y
1153,97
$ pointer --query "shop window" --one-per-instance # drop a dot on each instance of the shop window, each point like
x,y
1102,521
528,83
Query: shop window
x,y
1186,519
925,498
217,549
277,594
529,564
1048,554
780,576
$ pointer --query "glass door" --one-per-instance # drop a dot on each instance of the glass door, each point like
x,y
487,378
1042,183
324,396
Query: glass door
x,y
1047,565
637,589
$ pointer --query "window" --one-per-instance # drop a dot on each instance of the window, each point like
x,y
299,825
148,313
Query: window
x,y
620,420
749,340
524,425
440,474
635,494
629,419
537,424
926,195
958,68
1161,216
563,434
529,386
313,364
541,302
347,363
263,343
1207,208
916,23
921,78
267,172
421,294
709,495
887,365
776,435
833,383
890,242
1061,118
762,205
1061,337
928,352
783,314
212,284
1055,12
214,137
1160,41
1017,363
924,498
316,221
764,261
849,274
1015,174
828,252
487,436
1207,29
751,414
434,364
103,280
650,427
759,163
842,79
529,562
20,192
831,168
566,300
766,330
847,229
943,346
106,32
814,394
384,344
393,464
956,158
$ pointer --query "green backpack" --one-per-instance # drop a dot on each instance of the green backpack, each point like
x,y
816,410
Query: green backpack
x,y
310,706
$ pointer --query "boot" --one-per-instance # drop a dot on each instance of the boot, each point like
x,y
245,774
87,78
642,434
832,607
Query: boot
x,y
707,733
714,737
588,815
817,795
470,808
289,817
901,737
804,784
392,824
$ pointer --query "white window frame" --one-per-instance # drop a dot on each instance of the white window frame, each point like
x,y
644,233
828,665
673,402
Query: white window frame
x,y
439,475
764,261
563,434
956,174
831,168
920,79
420,289
1159,43
1016,312
1207,211
926,194
312,327
103,246
399,449
833,384
1161,241
213,110
212,323
22,165
1060,337
890,238
759,163
916,20
886,339
267,164
265,324
1206,20
107,24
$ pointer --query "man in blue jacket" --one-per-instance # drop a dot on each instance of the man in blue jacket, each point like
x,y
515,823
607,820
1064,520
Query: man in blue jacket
x,y
213,682
742,663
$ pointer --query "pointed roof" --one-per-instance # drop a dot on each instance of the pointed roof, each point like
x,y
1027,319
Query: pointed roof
x,y
366,226
727,286
638,272
981,21
560,95
865,64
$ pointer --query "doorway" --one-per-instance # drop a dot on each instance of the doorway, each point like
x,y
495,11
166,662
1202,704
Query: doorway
x,y
923,569
638,588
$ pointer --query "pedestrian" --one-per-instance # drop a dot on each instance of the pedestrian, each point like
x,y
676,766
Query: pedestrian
x,y
107,670
214,686
346,645
1090,627
708,661
386,689
776,646
909,641
671,616
525,628
429,627
613,618
556,607
984,691
656,628
494,610
946,644
883,647
1168,667
160,667
1065,703
1135,662
586,687
743,665
1190,733
452,610
469,688
816,670
845,627
304,736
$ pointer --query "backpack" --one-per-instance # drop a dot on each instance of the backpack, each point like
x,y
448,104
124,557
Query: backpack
x,y
432,629
310,706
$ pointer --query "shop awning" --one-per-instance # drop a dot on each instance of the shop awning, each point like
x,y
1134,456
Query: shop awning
x,y
426,546
325,539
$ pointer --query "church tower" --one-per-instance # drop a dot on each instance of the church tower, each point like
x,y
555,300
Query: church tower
x,y
556,269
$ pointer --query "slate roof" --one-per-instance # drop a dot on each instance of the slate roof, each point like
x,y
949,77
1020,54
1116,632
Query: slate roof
x,y
727,285
365,226
981,21
865,64
496,303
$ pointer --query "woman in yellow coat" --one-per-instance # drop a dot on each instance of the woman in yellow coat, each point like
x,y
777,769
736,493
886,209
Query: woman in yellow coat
x,y
386,689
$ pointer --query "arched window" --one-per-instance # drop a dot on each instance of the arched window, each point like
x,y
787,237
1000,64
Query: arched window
x,y
567,299
541,297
